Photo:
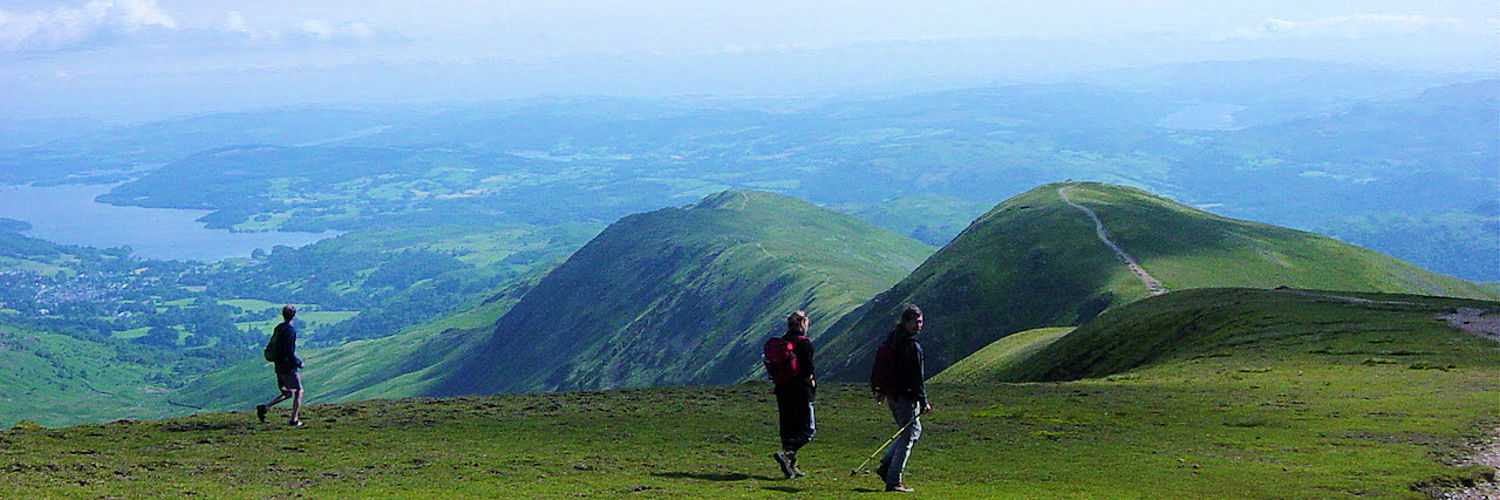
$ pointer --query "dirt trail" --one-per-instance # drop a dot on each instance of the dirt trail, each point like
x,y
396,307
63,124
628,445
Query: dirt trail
x,y
1487,452
1153,285
1345,298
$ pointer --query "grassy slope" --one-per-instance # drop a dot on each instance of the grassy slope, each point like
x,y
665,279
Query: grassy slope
x,y
685,296
1276,402
930,219
401,365
54,379
1188,248
1000,356
1033,261
1260,326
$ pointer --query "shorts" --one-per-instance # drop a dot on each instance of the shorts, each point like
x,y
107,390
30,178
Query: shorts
x,y
288,381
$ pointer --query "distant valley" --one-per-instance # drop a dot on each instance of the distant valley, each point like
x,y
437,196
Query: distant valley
x,y
450,214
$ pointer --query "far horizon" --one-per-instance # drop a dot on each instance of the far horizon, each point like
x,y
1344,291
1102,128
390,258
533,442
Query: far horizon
x,y
144,60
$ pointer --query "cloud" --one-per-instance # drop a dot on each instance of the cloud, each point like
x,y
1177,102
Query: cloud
x,y
67,27
1354,27
310,31
106,23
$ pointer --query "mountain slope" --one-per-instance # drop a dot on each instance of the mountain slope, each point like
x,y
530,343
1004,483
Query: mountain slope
x,y
685,296
1248,327
1035,261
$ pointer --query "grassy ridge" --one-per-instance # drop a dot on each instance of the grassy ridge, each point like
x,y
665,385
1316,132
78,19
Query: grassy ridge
x,y
1030,262
1267,326
1189,248
685,295
1000,356
1033,261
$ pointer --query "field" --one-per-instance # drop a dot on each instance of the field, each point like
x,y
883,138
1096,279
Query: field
x,y
1286,434
1379,405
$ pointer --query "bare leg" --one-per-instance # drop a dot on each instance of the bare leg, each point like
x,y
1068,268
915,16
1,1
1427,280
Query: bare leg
x,y
296,405
279,398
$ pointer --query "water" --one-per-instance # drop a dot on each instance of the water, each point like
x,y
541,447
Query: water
x,y
68,214
1203,116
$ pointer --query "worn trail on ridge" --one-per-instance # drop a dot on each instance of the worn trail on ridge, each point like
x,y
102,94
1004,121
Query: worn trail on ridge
x,y
1153,285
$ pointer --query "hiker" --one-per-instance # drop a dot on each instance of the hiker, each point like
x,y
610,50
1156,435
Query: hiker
x,y
896,380
282,350
789,360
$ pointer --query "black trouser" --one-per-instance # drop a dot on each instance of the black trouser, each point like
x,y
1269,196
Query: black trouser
x,y
794,403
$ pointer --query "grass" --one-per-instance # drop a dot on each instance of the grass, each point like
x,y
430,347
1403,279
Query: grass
x,y
55,379
1002,355
401,365
1034,262
706,283
1267,326
1244,405
1303,433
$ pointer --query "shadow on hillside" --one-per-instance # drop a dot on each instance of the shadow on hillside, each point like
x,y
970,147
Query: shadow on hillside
x,y
711,476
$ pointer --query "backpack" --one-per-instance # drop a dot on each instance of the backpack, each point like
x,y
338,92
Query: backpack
x,y
780,360
884,376
272,353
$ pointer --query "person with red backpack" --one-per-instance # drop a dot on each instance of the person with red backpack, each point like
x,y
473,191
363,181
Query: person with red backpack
x,y
789,362
896,380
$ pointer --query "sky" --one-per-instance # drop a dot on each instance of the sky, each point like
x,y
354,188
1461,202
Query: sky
x,y
128,60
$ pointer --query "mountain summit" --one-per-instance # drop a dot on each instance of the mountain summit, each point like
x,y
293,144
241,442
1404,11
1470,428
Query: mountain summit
x,y
685,296
1062,253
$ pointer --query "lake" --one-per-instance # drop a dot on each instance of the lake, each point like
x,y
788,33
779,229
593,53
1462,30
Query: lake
x,y
68,214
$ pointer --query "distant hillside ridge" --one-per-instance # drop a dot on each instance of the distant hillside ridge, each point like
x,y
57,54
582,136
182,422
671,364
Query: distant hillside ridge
x,y
1035,261
1253,327
684,296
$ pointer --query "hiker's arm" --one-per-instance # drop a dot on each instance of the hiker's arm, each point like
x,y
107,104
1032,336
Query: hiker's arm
x,y
804,352
914,376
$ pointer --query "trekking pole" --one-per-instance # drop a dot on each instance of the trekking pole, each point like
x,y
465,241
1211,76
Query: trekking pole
x,y
888,442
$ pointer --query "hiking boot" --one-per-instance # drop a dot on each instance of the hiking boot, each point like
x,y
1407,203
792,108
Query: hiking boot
x,y
786,465
260,413
899,488
295,423
796,471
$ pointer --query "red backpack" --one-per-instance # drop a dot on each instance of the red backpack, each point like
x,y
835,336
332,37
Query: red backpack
x,y
884,376
780,360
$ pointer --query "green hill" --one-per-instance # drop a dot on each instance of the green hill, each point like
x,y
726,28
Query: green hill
x,y
1036,261
1001,356
1251,327
685,296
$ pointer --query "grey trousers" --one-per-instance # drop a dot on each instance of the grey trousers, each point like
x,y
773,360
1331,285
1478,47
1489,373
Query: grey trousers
x,y
903,410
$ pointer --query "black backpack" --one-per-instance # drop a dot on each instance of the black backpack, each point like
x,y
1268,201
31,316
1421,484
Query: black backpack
x,y
272,353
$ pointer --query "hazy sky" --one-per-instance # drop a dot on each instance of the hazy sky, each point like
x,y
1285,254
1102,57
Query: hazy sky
x,y
123,59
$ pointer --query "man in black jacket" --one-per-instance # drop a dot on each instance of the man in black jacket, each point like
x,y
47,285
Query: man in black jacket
x,y
909,403
284,349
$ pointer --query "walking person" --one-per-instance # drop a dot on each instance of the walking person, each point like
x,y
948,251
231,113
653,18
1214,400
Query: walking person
x,y
896,380
789,361
282,350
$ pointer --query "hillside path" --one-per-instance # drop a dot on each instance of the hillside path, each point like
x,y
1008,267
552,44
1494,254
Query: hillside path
x,y
1486,453
1153,285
